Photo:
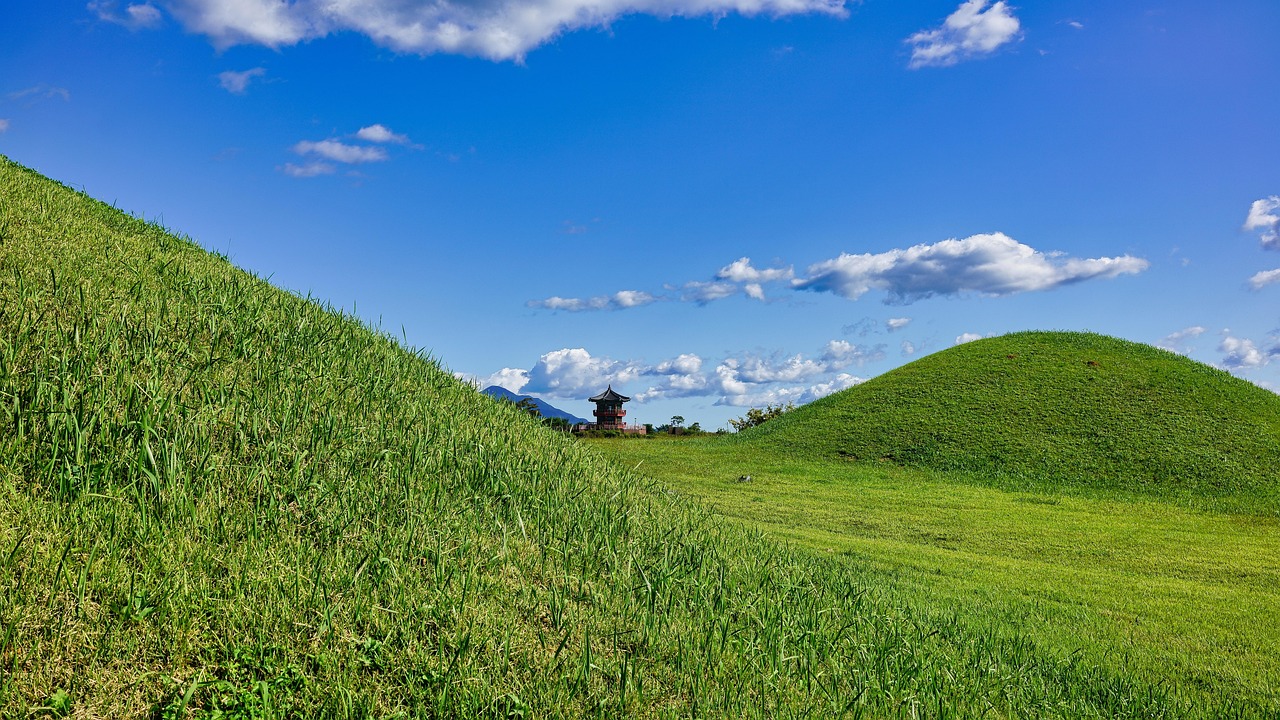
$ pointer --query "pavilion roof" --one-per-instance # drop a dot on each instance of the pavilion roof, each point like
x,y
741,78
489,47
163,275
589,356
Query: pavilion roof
x,y
609,395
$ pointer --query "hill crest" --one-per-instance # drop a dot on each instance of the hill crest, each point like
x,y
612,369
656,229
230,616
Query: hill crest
x,y
1070,407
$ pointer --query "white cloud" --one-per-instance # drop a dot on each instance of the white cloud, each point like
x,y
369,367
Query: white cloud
x,y
1263,217
751,278
991,264
620,300
798,394
1076,24
1265,278
237,83
908,349
311,169
967,337
4,125
512,379
495,29
973,30
136,16
1178,341
683,364
1241,353
340,151
741,271
571,372
897,323
379,133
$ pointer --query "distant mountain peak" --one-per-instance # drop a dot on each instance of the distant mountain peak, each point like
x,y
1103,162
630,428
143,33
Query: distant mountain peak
x,y
544,408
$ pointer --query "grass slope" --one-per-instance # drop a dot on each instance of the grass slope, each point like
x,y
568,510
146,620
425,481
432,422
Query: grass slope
x,y
1053,407
1155,590
218,499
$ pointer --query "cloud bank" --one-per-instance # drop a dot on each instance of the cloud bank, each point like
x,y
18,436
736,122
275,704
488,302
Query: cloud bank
x,y
740,380
991,264
973,30
494,29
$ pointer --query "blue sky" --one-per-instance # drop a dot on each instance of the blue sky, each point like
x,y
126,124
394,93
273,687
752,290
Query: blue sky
x,y
710,204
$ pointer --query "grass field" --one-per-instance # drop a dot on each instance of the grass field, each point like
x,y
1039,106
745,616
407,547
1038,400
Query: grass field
x,y
1181,596
222,500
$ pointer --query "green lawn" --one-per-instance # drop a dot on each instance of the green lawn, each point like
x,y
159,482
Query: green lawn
x,y
1175,595
222,500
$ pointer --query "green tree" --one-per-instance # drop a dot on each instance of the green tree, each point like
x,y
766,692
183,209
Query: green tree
x,y
527,405
756,416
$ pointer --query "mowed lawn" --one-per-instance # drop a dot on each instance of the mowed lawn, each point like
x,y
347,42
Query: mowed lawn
x,y
1162,592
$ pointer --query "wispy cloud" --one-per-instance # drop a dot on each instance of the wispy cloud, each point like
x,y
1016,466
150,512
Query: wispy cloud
x,y
620,300
1265,278
993,264
338,151
311,169
1264,216
1179,342
37,93
4,125
237,83
135,16
897,323
499,30
973,30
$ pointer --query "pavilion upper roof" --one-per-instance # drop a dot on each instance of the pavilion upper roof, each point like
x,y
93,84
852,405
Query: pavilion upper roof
x,y
609,395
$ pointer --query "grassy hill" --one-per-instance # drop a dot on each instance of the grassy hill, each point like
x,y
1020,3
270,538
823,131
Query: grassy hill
x,y
1053,407
219,499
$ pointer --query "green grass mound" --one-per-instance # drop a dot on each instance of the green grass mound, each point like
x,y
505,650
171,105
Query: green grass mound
x,y
221,500
1053,406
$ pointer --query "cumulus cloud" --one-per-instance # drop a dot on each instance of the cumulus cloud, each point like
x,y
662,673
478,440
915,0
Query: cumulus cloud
x,y
1263,217
990,264
975,29
1241,354
379,133
311,169
1265,278
495,29
237,83
908,348
341,152
963,338
136,16
570,372
512,379
897,323
620,300
1179,342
